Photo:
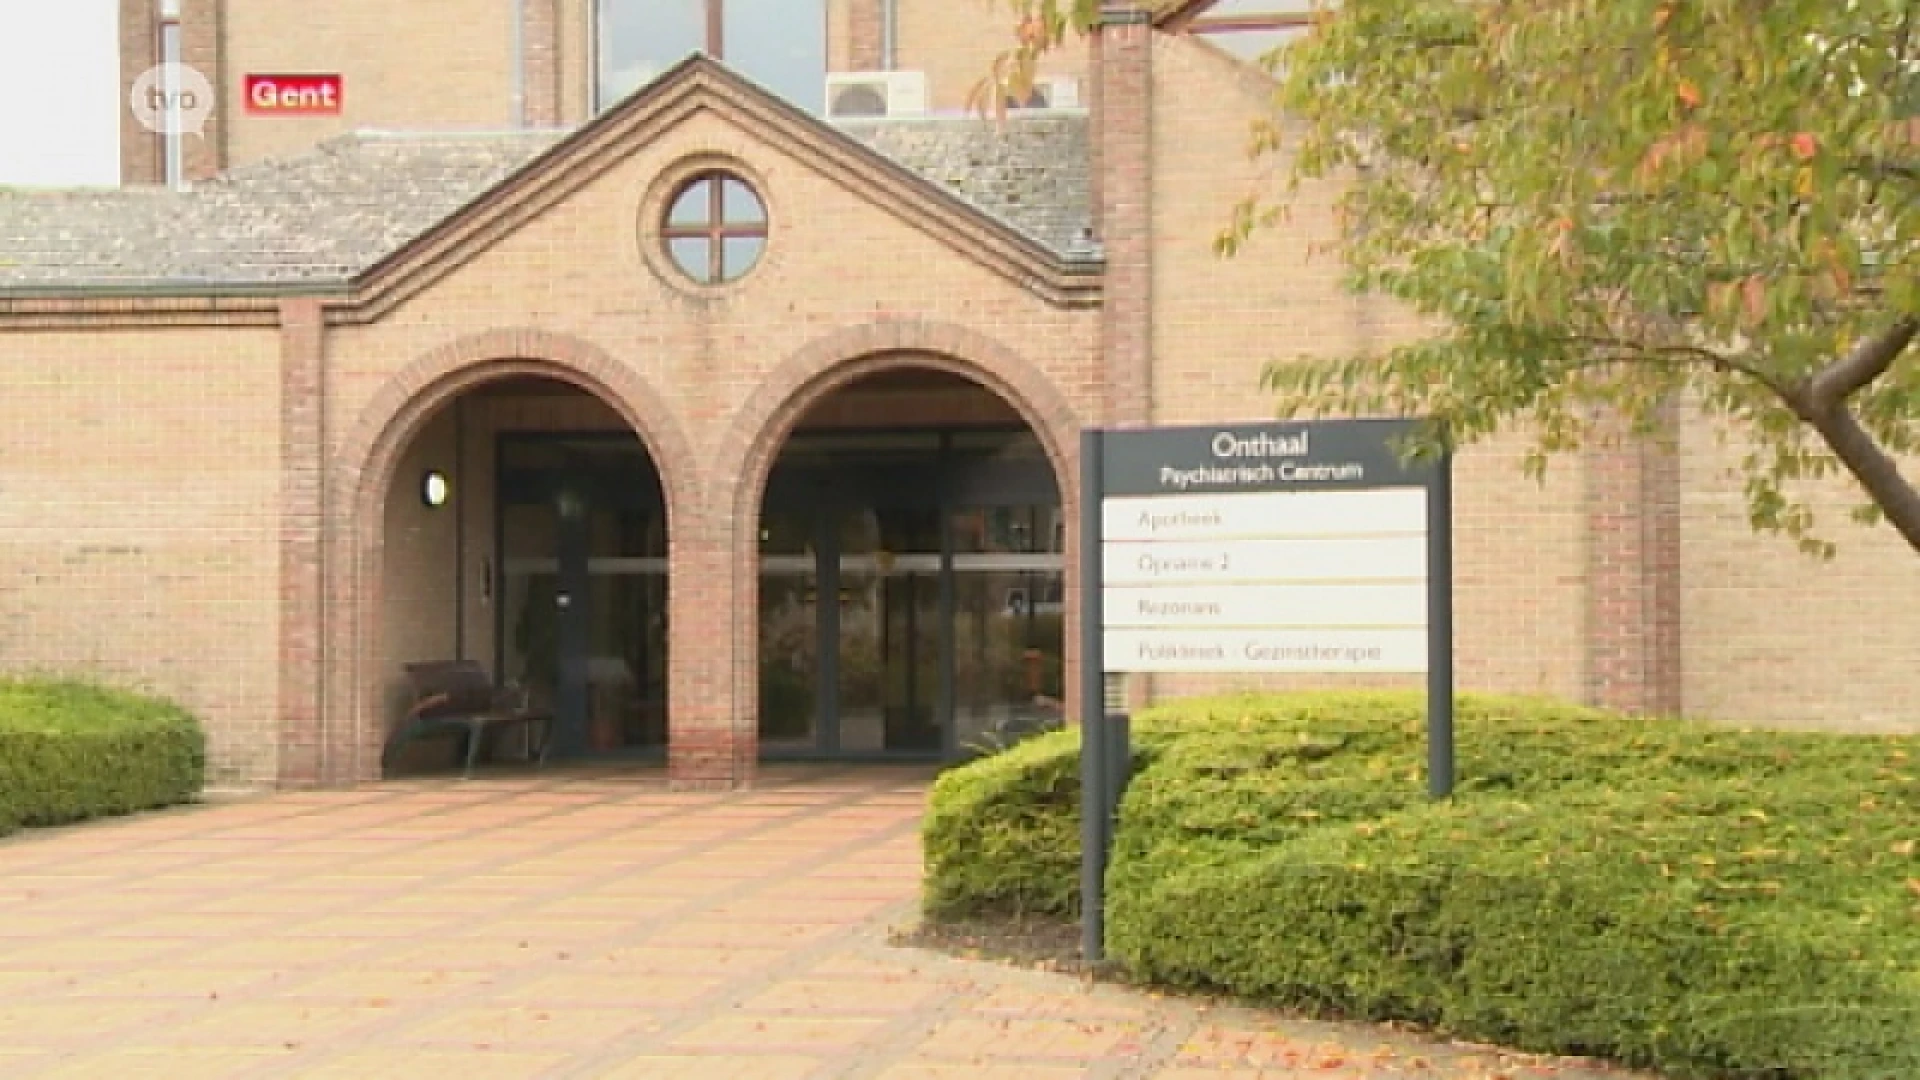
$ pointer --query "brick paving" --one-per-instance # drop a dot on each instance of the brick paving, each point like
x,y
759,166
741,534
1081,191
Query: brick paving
x,y
573,924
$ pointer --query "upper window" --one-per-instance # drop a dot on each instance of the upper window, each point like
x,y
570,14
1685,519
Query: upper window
x,y
780,44
1250,29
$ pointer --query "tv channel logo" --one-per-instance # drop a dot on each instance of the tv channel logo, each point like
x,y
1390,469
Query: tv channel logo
x,y
169,98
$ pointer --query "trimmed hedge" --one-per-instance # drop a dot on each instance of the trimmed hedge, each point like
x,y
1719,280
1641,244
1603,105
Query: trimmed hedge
x,y
1709,902
1002,834
70,751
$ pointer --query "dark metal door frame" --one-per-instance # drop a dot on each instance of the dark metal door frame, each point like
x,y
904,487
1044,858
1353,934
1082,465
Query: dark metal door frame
x,y
572,621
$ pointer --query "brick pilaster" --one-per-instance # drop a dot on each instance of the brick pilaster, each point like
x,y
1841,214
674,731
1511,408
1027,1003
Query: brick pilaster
x,y
140,160
200,36
1633,571
540,63
712,679
302,361
1123,134
866,34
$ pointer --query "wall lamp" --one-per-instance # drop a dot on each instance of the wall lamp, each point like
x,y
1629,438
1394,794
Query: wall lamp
x,y
434,489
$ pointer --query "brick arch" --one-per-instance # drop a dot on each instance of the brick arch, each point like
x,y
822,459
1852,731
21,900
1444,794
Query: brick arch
x,y
362,471
760,429
754,439
365,461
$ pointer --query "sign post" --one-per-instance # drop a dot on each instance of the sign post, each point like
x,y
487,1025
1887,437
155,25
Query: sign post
x,y
1095,816
1296,548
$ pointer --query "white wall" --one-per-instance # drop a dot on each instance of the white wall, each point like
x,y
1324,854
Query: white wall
x,y
60,93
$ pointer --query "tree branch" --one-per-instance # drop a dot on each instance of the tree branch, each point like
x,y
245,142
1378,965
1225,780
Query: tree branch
x,y
1696,354
1874,469
1829,388
1821,401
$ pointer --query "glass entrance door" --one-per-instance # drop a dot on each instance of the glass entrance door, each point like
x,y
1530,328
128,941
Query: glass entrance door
x,y
583,583
1009,620
790,612
909,595
890,679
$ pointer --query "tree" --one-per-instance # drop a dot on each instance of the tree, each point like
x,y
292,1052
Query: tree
x,y
1607,206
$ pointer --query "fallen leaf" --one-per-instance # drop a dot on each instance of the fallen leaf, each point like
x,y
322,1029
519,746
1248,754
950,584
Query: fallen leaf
x,y
1753,292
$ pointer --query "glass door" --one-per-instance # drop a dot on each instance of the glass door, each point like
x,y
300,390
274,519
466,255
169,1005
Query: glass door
x,y
890,683
584,605
790,613
1009,621
910,594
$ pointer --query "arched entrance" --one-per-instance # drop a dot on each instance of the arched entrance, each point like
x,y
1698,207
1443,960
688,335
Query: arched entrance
x,y
912,572
513,518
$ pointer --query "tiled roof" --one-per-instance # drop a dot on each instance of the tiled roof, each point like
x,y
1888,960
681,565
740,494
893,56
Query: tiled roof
x,y
1031,172
327,215
321,216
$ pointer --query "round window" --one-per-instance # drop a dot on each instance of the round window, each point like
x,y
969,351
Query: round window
x,y
716,228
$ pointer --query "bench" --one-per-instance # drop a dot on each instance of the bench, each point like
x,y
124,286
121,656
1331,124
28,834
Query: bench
x,y
459,697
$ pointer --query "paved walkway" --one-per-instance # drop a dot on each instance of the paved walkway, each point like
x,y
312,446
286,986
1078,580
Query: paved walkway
x,y
568,925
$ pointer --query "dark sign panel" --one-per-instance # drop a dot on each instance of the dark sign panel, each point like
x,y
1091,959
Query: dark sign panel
x,y
1292,456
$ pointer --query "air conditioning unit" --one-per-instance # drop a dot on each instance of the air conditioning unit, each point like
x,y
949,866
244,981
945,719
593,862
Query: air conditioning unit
x,y
1051,92
854,94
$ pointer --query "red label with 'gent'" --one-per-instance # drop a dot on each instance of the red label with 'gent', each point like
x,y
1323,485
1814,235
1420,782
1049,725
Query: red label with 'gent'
x,y
303,95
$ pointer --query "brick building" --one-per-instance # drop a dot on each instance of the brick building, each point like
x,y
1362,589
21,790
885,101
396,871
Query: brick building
x,y
732,400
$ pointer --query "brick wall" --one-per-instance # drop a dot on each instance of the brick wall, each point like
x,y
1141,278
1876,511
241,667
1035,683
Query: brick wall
x,y
1519,549
955,44
425,66
139,488
420,575
1773,637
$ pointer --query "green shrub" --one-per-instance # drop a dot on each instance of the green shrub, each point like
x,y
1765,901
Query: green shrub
x,y
1002,834
70,751
1710,902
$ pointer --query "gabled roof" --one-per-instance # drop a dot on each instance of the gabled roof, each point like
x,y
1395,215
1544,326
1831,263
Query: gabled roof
x,y
361,209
